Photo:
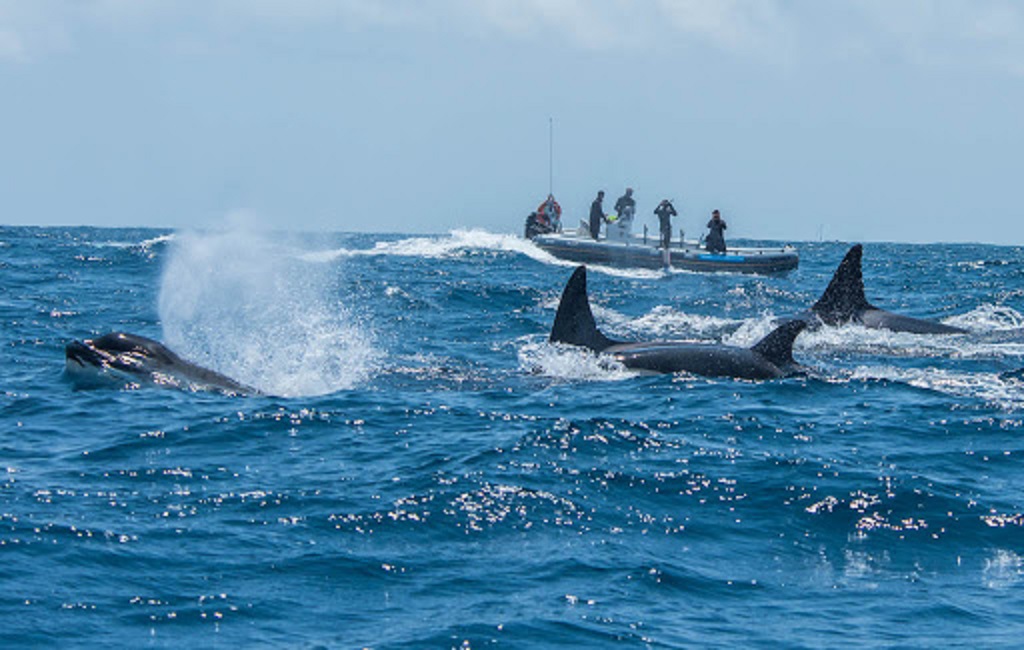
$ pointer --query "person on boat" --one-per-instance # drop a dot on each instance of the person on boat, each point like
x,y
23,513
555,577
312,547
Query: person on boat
x,y
665,211
715,241
537,224
550,209
625,206
596,215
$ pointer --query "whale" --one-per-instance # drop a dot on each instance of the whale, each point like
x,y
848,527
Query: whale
x,y
844,302
120,355
769,358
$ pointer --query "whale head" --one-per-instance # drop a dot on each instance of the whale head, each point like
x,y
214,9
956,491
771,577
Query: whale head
x,y
129,357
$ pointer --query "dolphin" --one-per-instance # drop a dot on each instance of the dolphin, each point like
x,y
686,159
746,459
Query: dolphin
x,y
770,358
144,359
844,302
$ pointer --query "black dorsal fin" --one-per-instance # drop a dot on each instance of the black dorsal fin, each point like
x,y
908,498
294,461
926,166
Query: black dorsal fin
x,y
844,297
574,322
777,347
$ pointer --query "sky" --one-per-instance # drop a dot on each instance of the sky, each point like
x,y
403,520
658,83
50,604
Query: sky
x,y
850,120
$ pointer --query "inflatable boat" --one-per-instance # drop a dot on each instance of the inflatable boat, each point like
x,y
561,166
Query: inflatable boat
x,y
621,248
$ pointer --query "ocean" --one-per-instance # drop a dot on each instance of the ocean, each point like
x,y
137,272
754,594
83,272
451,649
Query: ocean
x,y
424,470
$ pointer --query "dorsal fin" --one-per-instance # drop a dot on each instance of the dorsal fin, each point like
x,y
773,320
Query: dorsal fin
x,y
777,347
844,296
574,322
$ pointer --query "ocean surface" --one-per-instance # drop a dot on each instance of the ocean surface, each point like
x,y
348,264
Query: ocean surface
x,y
426,471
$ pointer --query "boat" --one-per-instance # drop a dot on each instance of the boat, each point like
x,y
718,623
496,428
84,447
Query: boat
x,y
622,248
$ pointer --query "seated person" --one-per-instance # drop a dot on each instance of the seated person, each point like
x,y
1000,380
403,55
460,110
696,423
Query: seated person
x,y
552,211
537,224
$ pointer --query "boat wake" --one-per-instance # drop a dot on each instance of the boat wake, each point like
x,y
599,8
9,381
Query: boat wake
x,y
456,244
461,243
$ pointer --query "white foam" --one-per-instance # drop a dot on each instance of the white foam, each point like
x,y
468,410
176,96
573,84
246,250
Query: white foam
x,y
665,322
570,362
463,242
752,331
239,302
1003,569
145,244
857,339
457,243
159,239
988,318
989,387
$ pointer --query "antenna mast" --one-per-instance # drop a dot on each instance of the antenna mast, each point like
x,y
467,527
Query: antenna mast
x,y
551,155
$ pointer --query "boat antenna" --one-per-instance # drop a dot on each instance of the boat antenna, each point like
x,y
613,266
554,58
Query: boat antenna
x,y
551,156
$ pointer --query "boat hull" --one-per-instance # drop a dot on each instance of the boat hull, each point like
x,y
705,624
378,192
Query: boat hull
x,y
689,257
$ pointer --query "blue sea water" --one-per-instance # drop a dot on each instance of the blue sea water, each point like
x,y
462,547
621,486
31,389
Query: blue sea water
x,y
427,471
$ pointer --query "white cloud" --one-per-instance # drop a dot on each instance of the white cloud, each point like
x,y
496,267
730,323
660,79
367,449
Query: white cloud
x,y
589,24
987,34
30,27
960,33
751,25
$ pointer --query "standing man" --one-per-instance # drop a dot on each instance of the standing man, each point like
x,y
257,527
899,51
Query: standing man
x,y
665,211
626,206
596,215
715,241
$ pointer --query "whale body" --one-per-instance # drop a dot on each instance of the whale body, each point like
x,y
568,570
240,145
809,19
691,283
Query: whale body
x,y
770,358
124,355
844,302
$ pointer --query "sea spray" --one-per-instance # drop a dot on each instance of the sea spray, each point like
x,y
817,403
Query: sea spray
x,y
241,302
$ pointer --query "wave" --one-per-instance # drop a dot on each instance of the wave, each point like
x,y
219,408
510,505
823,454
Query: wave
x,y
145,244
860,340
988,318
994,389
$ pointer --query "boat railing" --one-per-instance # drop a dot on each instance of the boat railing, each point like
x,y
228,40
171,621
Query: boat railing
x,y
696,246
690,246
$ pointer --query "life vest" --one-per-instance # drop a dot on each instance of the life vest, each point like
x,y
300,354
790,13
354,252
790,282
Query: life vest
x,y
554,210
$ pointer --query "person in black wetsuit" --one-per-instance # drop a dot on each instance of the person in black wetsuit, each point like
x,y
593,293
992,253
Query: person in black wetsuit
x,y
665,211
715,241
596,215
626,205
537,224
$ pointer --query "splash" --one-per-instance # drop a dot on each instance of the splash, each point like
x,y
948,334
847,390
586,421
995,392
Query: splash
x,y
239,302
